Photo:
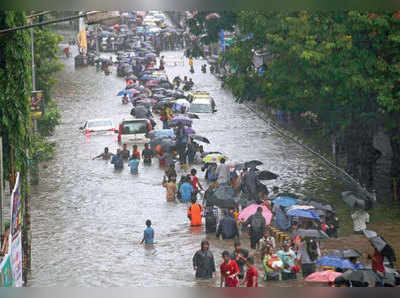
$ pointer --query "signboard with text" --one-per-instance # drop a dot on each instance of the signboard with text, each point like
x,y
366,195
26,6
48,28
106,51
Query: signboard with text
x,y
6,274
16,260
37,104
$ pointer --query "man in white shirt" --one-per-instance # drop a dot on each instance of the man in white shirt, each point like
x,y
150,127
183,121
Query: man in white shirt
x,y
223,173
360,220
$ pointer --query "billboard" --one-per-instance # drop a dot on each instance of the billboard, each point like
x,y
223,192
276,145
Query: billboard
x,y
6,274
37,104
16,260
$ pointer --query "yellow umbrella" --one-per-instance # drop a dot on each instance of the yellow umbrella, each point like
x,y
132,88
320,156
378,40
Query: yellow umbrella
x,y
213,158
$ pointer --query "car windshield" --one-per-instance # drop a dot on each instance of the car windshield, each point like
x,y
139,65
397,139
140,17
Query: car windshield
x,y
200,108
99,123
134,127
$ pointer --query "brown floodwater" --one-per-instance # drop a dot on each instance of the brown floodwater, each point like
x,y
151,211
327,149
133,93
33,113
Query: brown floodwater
x,y
87,220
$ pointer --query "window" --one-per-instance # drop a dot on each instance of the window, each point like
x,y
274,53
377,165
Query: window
x,y
134,127
100,123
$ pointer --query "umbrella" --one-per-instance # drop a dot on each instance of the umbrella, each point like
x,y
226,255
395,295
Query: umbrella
x,y
318,234
343,253
378,243
134,91
319,204
124,92
370,234
190,131
335,262
191,116
167,144
285,201
253,163
213,158
180,119
266,175
212,16
250,210
224,197
132,77
323,276
160,105
161,133
362,276
200,139
303,213
355,200
150,55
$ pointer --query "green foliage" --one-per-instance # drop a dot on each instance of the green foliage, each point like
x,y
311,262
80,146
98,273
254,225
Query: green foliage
x,y
50,120
206,31
42,149
15,88
46,60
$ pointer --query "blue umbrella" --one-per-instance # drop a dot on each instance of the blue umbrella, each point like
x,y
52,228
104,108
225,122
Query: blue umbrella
x,y
145,77
303,213
285,201
335,262
161,133
124,92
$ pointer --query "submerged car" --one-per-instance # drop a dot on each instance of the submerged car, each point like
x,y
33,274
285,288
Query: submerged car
x,y
98,126
134,131
202,105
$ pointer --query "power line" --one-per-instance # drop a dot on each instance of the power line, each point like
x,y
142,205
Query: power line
x,y
8,30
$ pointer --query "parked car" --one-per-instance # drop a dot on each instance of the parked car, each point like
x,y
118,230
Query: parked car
x,y
201,102
98,126
134,131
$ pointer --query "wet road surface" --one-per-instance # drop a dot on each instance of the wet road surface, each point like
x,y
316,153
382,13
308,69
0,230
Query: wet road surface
x,y
87,220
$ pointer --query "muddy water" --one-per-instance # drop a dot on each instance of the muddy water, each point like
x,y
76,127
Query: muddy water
x,y
88,220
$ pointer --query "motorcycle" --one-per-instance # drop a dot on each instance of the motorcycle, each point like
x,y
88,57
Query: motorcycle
x,y
204,68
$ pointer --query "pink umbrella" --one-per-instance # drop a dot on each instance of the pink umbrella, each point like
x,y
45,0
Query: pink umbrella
x,y
323,276
134,91
250,210
212,16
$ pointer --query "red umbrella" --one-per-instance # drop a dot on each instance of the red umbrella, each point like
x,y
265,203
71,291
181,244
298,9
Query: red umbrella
x,y
323,276
212,16
134,91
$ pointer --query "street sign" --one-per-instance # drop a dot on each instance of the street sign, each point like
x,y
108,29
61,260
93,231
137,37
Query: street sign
x,y
37,104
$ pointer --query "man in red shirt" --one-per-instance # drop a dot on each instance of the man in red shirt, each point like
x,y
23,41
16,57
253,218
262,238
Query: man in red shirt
x,y
229,271
251,274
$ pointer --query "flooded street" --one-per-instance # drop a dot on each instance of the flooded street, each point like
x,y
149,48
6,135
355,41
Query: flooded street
x,y
87,220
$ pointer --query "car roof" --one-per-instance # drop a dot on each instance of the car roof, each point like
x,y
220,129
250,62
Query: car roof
x,y
201,94
95,120
135,120
203,100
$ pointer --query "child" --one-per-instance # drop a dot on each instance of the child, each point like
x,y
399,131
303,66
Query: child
x,y
136,152
195,181
251,274
148,235
134,164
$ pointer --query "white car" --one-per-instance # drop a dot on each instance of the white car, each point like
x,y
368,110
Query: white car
x,y
134,131
98,126
202,105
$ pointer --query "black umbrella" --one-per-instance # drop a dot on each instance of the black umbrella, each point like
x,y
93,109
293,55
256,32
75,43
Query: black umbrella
x,y
356,200
253,163
266,175
200,139
320,204
157,141
318,234
358,276
191,116
168,144
224,197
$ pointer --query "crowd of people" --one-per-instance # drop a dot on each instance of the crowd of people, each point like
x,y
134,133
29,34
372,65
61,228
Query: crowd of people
x,y
277,240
